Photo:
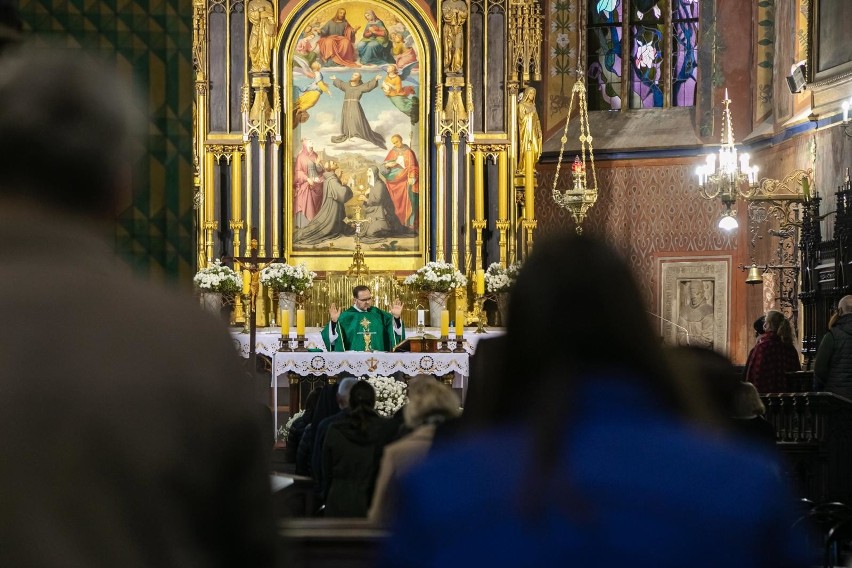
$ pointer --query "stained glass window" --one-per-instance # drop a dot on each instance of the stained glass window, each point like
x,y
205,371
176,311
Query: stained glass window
x,y
656,32
684,52
604,63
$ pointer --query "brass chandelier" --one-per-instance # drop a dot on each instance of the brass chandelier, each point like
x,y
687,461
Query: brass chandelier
x,y
731,178
580,197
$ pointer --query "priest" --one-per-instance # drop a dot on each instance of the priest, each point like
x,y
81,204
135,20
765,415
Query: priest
x,y
363,327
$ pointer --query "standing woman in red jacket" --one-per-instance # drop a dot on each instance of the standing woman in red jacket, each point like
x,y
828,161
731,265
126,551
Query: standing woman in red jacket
x,y
773,356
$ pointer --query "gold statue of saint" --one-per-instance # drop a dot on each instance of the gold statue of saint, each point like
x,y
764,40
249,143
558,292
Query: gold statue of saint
x,y
454,16
262,17
529,129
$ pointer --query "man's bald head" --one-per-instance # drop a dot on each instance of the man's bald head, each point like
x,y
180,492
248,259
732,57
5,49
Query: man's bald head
x,y
844,306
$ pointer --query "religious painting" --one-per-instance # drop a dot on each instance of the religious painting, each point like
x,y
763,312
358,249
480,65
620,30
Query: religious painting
x,y
829,56
358,148
694,303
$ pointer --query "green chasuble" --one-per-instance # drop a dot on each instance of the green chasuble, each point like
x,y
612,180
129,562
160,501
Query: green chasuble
x,y
350,331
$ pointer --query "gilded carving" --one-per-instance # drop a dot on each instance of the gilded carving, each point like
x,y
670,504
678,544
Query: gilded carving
x,y
261,14
454,16
529,129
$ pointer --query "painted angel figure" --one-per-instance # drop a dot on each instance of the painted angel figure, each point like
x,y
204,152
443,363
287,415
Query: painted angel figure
x,y
311,94
402,96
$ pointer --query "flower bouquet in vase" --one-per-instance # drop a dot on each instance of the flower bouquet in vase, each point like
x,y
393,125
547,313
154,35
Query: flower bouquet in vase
x,y
436,280
216,284
499,281
289,282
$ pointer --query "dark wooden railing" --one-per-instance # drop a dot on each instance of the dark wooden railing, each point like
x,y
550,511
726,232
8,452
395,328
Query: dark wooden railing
x,y
814,432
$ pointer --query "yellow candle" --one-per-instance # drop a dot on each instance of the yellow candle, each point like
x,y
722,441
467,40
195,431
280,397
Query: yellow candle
x,y
300,323
480,282
285,323
459,323
246,282
445,323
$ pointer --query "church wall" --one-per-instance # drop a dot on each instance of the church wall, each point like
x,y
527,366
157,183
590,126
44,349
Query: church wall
x,y
648,209
150,42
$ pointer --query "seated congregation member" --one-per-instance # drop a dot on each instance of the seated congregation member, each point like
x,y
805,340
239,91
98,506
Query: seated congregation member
x,y
327,405
747,419
344,389
430,404
130,435
349,330
351,454
604,459
773,355
833,365
297,428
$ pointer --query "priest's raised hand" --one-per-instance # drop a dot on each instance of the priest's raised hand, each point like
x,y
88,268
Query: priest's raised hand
x,y
348,330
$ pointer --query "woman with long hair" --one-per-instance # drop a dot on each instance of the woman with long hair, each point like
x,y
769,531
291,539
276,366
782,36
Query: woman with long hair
x,y
594,453
351,455
774,355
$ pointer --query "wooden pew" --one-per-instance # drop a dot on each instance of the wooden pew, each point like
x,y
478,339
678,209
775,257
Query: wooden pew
x,y
328,543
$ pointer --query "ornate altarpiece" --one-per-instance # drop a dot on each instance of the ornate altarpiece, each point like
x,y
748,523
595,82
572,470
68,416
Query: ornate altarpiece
x,y
282,123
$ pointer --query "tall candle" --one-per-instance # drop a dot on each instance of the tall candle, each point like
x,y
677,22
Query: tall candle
x,y
300,323
285,323
246,282
480,282
421,317
445,323
459,323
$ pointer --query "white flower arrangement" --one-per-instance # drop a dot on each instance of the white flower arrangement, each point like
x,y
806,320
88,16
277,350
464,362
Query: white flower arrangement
x,y
284,430
499,279
217,278
391,394
287,278
436,277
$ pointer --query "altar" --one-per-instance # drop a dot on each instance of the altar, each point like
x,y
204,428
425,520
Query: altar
x,y
294,368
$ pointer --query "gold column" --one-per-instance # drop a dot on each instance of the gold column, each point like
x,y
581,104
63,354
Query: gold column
x,y
209,202
478,202
261,199
529,199
199,52
454,207
440,199
503,176
237,224
276,207
249,184
512,166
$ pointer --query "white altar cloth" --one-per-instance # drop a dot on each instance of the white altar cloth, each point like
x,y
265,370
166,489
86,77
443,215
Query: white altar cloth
x,y
266,339
359,363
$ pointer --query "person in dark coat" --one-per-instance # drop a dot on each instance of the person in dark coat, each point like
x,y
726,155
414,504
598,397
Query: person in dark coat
x,y
326,406
130,436
297,428
833,365
352,453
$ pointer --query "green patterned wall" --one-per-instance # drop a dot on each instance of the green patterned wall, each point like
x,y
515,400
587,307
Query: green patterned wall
x,y
151,40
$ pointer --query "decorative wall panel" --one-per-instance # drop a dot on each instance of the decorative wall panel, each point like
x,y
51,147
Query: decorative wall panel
x,y
642,210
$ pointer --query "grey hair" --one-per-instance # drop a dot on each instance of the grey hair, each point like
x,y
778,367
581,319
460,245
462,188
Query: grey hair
x,y
427,398
69,128
343,389
844,306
